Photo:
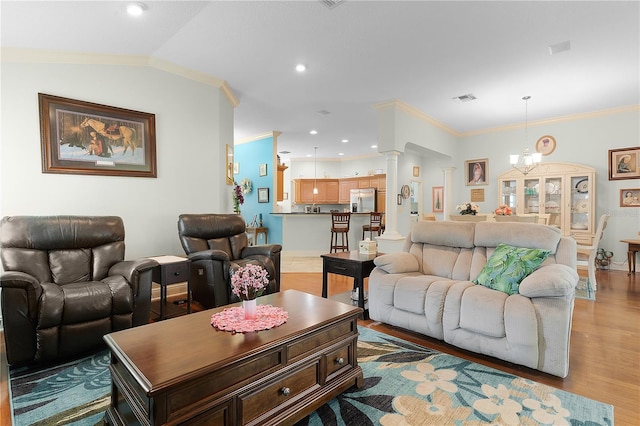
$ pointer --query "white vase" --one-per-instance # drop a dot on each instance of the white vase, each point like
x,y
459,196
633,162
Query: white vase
x,y
249,307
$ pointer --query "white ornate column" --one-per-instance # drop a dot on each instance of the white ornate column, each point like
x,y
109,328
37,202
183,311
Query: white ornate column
x,y
448,191
391,240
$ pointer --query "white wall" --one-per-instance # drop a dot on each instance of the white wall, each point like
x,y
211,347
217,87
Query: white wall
x,y
193,123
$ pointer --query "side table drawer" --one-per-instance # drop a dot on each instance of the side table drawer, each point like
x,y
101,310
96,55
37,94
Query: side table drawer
x,y
279,392
347,269
172,273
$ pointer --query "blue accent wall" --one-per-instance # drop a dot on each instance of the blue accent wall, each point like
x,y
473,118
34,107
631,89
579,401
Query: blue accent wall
x,y
249,157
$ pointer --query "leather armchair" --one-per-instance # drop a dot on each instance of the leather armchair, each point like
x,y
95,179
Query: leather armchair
x,y
216,244
65,285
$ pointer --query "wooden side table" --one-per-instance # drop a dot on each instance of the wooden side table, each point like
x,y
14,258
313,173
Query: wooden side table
x,y
172,270
256,232
634,247
350,264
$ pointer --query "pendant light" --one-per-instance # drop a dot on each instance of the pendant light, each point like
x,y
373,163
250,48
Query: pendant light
x,y
315,171
528,161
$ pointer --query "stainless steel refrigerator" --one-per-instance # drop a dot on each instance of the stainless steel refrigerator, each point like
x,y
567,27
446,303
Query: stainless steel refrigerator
x,y
363,200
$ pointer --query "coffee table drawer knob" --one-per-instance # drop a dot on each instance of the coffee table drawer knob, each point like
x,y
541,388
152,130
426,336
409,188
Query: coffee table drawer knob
x,y
285,391
340,361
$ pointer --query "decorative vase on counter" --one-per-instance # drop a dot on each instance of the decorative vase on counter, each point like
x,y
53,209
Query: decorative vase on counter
x,y
250,308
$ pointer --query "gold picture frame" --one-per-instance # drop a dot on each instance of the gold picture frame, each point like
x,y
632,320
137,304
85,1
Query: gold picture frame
x,y
229,165
546,145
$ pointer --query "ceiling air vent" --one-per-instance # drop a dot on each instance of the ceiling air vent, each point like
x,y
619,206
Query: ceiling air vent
x,y
332,3
284,152
464,98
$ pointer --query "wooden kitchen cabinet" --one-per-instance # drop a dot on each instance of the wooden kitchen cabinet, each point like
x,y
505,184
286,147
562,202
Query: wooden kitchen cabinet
x,y
346,185
328,191
280,182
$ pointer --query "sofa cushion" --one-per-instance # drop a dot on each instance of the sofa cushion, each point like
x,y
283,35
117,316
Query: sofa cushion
x,y
482,311
508,266
397,263
530,235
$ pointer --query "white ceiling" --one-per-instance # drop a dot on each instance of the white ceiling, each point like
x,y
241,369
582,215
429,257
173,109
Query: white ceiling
x,y
360,53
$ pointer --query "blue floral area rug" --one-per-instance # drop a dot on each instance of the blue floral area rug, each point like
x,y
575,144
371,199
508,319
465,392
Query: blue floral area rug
x,y
405,384
74,393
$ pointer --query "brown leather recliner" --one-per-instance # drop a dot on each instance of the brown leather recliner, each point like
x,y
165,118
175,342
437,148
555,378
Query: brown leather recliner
x,y
217,244
66,285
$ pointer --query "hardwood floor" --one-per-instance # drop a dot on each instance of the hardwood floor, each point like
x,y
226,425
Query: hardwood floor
x,y
605,344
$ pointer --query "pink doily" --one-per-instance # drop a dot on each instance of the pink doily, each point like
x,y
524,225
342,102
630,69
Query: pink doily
x,y
232,319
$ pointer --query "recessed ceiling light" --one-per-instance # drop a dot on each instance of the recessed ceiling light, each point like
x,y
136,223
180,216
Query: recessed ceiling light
x,y
374,146
308,155
136,9
301,67
341,153
313,132
345,140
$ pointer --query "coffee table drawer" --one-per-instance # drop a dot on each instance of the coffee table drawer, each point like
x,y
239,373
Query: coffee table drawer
x,y
321,338
279,393
338,359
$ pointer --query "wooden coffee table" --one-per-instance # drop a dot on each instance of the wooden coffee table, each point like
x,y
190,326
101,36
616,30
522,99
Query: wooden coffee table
x,y
183,369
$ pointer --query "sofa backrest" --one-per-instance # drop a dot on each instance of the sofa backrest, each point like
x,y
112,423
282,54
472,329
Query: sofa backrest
x,y
226,232
459,250
62,249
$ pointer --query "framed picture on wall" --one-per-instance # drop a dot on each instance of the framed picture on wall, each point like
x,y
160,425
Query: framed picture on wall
x,y
476,171
624,163
85,138
630,197
263,195
437,199
263,169
229,168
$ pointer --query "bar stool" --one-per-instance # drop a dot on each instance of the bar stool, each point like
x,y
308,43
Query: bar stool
x,y
374,225
340,228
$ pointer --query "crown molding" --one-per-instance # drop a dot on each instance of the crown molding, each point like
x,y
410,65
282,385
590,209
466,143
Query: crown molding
x,y
404,107
273,134
9,54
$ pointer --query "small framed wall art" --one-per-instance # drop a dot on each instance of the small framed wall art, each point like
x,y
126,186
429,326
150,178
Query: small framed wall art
x,y
416,171
263,195
546,145
437,197
263,169
624,163
630,197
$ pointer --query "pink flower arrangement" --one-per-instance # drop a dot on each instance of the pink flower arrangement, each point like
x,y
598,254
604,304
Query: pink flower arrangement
x,y
503,210
249,282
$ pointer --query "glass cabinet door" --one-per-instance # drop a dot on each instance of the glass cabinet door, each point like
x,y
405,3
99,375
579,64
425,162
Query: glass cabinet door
x,y
553,205
508,194
531,196
580,204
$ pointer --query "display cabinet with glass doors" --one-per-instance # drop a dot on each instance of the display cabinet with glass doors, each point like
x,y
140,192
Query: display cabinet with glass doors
x,y
564,191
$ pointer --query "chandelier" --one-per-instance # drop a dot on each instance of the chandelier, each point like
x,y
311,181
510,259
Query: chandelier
x,y
527,161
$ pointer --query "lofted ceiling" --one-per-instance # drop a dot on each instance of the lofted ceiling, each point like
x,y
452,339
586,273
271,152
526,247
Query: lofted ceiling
x,y
360,53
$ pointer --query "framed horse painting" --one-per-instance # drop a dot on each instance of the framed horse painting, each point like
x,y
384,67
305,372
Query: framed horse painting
x,y
81,137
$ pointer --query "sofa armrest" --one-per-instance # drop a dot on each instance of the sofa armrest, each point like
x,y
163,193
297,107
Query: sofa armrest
x,y
397,263
14,279
209,255
129,268
555,280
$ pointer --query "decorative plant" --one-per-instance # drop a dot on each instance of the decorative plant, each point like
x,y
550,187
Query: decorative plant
x,y
238,198
503,210
468,208
249,282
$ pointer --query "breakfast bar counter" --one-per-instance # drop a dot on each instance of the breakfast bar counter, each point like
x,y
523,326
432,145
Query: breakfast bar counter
x,y
310,233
